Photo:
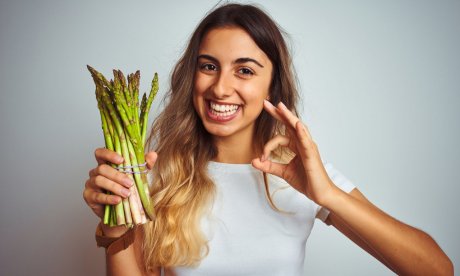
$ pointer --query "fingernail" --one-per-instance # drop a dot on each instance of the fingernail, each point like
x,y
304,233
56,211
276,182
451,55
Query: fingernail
x,y
282,105
129,182
125,192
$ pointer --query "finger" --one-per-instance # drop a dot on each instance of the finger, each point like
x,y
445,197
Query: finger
x,y
151,158
271,109
302,132
308,148
97,208
274,143
104,155
94,197
288,116
270,167
100,183
112,174
285,116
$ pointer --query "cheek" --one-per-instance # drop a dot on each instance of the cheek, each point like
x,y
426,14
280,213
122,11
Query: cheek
x,y
198,92
257,92
197,102
200,84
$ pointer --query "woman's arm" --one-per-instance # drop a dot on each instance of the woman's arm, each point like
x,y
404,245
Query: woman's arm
x,y
124,262
105,178
129,261
402,248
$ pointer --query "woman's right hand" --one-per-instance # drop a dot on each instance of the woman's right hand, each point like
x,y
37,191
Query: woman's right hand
x,y
105,178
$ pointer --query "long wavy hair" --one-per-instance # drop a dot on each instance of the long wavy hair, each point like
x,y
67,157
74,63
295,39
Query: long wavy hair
x,y
182,189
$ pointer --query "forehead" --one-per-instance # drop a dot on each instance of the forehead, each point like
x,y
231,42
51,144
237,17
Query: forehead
x,y
231,43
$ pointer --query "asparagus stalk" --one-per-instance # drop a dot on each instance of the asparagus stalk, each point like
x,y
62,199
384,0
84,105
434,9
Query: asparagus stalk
x,y
134,137
124,131
126,208
124,150
148,103
108,136
109,145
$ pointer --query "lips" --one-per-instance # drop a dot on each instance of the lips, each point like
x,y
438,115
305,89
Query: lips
x,y
222,112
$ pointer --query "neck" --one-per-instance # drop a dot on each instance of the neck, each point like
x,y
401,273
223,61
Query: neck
x,y
235,150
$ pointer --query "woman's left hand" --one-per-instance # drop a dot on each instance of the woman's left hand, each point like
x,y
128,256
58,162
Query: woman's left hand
x,y
305,172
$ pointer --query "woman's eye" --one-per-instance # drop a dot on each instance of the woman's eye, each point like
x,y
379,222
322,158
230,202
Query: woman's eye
x,y
208,67
246,71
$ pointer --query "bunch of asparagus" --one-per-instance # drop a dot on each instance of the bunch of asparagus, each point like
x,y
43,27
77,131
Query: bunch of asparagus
x,y
124,123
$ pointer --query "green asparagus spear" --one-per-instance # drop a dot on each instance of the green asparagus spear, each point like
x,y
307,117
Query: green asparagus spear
x,y
124,131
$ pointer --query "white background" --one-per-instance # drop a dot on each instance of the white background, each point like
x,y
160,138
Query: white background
x,y
380,86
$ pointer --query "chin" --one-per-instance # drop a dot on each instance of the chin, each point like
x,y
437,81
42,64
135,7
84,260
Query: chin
x,y
220,131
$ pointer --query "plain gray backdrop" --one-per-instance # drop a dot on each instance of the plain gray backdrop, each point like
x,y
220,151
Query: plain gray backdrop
x,y
381,95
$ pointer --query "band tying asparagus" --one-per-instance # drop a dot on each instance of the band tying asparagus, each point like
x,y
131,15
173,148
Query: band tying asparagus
x,y
124,124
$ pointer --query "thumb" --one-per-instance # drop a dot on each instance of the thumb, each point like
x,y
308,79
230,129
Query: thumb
x,y
151,158
270,167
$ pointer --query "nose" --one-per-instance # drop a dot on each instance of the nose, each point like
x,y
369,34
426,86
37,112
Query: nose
x,y
223,86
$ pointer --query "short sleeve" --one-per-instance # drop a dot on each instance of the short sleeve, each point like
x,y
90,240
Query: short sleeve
x,y
340,181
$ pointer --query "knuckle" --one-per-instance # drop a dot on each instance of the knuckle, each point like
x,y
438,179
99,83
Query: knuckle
x,y
313,145
304,141
99,180
87,184
99,197
87,196
84,195
100,169
97,170
308,143
97,152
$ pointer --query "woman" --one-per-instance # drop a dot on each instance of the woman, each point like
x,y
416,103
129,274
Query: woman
x,y
237,172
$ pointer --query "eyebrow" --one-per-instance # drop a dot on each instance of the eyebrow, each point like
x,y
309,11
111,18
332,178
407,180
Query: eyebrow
x,y
237,61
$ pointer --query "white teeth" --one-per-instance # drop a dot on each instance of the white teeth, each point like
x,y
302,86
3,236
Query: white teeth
x,y
223,109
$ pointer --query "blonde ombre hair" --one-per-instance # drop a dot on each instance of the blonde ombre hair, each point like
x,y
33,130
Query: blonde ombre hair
x,y
182,189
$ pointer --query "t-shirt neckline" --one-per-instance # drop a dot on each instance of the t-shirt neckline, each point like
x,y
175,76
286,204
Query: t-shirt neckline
x,y
230,168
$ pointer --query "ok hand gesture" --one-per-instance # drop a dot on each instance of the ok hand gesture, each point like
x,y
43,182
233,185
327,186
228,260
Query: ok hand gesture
x,y
305,172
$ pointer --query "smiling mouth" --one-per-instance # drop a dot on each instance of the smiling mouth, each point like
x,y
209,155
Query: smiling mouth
x,y
222,112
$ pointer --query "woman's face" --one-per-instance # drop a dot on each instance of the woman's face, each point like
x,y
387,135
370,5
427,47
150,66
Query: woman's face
x,y
232,80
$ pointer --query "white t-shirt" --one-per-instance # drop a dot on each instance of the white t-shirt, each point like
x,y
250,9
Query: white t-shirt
x,y
246,236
